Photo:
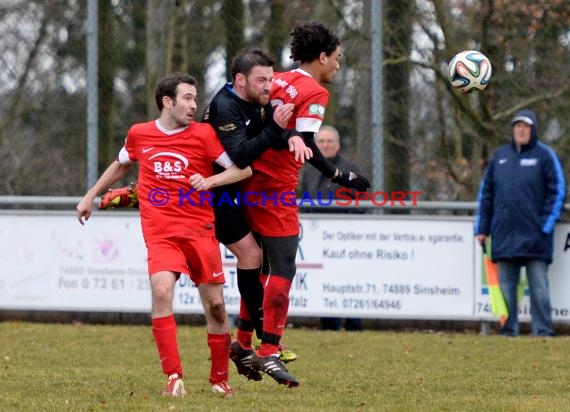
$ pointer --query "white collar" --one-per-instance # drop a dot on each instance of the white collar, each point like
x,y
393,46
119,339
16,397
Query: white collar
x,y
166,131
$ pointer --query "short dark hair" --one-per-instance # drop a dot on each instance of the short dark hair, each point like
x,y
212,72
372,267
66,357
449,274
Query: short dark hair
x,y
167,87
246,60
310,39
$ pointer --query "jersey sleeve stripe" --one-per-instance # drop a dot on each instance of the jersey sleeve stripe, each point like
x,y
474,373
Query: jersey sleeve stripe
x,y
224,161
308,124
123,156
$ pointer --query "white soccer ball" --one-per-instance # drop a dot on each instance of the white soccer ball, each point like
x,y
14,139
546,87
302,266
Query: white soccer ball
x,y
469,70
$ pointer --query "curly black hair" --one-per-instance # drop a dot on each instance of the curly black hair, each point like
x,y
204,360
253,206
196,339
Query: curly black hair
x,y
310,39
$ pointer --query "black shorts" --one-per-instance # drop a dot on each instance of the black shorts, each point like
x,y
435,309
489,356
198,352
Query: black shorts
x,y
230,220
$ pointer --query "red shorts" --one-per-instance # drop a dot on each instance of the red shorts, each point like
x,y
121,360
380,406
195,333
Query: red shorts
x,y
271,208
199,257
274,221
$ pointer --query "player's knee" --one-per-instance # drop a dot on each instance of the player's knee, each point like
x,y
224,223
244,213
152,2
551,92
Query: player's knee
x,y
280,299
247,252
251,259
256,256
162,293
217,311
285,270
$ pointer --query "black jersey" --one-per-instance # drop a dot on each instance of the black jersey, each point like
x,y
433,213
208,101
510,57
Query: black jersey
x,y
245,129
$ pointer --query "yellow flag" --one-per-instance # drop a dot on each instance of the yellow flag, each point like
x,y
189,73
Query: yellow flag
x,y
491,273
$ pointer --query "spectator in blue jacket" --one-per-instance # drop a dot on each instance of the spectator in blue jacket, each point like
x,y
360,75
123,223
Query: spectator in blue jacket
x,y
520,199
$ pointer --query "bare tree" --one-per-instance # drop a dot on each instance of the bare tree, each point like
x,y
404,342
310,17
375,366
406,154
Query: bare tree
x,y
397,47
160,44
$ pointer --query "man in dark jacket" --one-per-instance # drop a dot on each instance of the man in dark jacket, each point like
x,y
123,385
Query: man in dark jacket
x,y
520,199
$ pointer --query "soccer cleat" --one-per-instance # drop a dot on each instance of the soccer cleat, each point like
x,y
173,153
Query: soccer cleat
x,y
122,197
284,354
242,358
273,366
175,387
223,388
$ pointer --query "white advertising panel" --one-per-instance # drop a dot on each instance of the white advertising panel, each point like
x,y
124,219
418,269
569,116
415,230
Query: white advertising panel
x,y
367,267
51,262
357,265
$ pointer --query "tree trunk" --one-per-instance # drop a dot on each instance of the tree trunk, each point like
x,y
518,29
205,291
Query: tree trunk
x,y
277,30
398,18
107,68
159,46
234,21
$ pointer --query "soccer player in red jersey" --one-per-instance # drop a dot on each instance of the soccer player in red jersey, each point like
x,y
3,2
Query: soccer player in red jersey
x,y
177,223
272,212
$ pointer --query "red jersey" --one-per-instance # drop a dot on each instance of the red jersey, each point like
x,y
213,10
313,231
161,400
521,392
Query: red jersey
x,y
275,172
168,205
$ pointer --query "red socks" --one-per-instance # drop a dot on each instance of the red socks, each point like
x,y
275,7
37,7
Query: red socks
x,y
244,337
275,309
164,332
220,354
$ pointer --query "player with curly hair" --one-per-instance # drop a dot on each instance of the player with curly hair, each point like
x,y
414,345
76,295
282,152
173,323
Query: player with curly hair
x,y
276,172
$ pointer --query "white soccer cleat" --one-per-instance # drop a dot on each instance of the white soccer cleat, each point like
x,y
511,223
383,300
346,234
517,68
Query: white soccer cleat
x,y
175,387
223,388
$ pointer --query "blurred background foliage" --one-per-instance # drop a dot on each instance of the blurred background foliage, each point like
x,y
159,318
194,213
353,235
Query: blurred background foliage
x,y
437,140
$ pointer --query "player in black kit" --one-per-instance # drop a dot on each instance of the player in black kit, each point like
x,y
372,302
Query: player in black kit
x,y
247,126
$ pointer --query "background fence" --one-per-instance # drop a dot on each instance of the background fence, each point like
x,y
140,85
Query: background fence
x,y
434,139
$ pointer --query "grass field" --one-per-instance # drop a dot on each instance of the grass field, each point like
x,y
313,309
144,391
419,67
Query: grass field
x,y
54,367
